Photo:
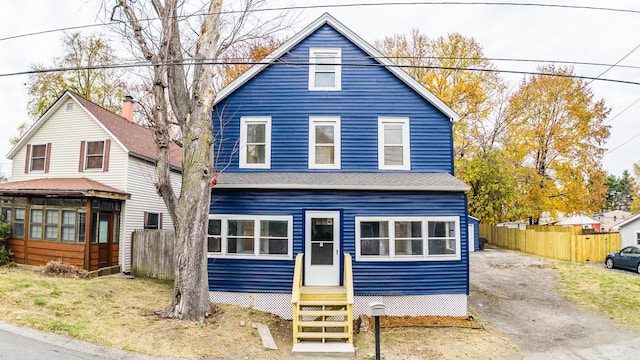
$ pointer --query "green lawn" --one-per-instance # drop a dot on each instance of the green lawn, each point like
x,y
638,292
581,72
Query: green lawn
x,y
614,294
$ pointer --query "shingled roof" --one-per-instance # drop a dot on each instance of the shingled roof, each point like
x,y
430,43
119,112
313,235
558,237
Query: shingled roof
x,y
391,181
136,138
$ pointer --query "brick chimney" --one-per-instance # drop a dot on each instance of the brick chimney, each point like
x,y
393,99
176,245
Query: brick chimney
x,y
127,108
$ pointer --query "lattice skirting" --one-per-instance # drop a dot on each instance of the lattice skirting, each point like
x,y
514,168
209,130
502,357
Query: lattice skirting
x,y
413,305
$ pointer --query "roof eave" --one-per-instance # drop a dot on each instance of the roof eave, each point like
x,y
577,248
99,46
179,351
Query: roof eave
x,y
342,187
66,193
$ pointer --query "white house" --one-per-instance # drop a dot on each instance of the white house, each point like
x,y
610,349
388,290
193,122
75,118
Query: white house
x,y
82,182
630,231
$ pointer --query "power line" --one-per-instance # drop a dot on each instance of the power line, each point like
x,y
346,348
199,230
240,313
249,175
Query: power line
x,y
621,145
214,62
326,6
622,112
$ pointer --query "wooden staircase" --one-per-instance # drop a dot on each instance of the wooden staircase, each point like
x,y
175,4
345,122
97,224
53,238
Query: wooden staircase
x,y
323,314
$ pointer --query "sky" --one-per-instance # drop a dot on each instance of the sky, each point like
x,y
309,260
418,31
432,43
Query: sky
x,y
514,32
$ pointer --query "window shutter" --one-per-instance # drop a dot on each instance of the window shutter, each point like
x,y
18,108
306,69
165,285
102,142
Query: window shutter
x,y
27,159
47,158
105,159
146,220
81,163
160,222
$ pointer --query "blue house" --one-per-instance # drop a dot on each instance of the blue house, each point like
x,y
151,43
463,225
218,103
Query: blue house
x,y
474,233
337,179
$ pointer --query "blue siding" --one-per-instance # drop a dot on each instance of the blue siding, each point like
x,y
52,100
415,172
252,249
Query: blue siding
x,y
281,91
476,232
370,278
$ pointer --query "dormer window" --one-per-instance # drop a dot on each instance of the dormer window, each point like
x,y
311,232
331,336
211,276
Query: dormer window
x,y
325,69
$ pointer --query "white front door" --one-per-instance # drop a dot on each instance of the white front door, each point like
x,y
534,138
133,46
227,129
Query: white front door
x,y
322,248
472,237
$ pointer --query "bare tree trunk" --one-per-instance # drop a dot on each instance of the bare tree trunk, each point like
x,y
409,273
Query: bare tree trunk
x,y
193,113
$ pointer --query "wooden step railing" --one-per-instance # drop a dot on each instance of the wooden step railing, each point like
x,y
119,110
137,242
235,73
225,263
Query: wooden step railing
x,y
322,313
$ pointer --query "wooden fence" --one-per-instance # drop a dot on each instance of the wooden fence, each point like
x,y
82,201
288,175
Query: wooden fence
x,y
152,254
562,243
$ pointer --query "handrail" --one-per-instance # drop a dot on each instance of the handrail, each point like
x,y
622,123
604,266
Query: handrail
x,y
348,277
297,280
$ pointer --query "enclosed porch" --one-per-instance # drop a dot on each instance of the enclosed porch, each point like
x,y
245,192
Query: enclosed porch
x,y
73,220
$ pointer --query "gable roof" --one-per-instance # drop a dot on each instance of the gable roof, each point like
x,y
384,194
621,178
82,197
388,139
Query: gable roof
x,y
136,139
628,221
354,38
62,187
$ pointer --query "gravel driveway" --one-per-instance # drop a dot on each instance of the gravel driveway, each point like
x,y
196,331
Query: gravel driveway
x,y
517,294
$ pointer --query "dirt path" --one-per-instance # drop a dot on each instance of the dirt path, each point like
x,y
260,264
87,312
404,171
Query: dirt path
x,y
516,294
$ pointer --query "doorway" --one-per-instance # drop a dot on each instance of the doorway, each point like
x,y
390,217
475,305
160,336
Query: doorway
x,y
322,248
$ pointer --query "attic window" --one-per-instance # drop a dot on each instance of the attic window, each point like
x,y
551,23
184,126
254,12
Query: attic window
x,y
69,106
325,69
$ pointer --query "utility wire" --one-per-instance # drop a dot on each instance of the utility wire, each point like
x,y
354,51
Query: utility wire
x,y
622,112
213,62
323,6
621,145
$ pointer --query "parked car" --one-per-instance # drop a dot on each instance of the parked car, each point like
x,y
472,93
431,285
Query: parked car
x,y
627,258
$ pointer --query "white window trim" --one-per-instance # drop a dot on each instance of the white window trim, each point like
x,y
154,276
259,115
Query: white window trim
x,y
637,237
86,155
406,143
312,69
321,120
425,244
244,121
224,227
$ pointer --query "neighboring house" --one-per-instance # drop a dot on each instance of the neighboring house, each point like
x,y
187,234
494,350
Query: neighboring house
x,y
610,219
583,221
474,233
630,231
82,181
335,161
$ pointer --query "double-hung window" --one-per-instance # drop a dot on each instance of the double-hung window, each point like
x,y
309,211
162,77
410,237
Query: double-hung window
x,y
325,69
68,226
38,157
393,143
94,155
638,238
246,236
51,224
17,230
35,224
255,142
407,238
324,142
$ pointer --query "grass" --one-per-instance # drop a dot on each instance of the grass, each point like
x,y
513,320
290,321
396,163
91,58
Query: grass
x,y
614,294
119,313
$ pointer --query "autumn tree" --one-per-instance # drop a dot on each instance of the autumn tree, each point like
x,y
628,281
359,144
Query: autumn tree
x,y
86,61
556,138
493,194
241,58
455,69
181,41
